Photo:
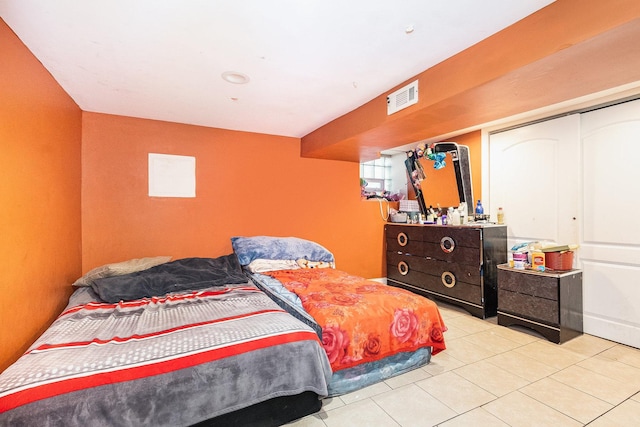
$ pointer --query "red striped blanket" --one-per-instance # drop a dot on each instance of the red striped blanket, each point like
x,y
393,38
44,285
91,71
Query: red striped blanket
x,y
189,354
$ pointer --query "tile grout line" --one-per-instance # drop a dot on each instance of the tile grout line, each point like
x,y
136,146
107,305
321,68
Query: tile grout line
x,y
518,345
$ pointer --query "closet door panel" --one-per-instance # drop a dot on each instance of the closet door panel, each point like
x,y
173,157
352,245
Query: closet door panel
x,y
534,174
610,246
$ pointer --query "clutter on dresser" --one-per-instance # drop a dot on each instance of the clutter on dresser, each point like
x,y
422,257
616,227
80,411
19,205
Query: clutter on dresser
x,y
398,217
411,209
542,256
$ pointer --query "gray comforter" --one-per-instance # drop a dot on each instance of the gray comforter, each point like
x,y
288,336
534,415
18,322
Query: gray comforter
x,y
173,360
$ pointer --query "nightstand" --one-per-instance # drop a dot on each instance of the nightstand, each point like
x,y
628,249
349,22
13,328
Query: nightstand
x,y
548,302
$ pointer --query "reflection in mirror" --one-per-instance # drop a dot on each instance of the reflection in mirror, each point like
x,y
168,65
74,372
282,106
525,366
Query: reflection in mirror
x,y
446,186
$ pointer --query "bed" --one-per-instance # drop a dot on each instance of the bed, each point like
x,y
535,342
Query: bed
x,y
370,331
185,342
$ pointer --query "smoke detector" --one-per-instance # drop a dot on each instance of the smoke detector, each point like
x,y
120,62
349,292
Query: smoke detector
x,y
402,98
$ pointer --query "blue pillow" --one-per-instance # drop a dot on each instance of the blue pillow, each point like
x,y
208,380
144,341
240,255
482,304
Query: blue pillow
x,y
265,247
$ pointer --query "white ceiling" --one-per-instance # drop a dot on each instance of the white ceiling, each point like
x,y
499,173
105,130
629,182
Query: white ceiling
x,y
309,61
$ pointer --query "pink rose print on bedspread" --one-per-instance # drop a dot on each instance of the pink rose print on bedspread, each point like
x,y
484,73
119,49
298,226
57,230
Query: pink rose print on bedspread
x,y
295,285
316,296
333,287
315,299
372,345
335,342
436,334
368,288
345,299
404,325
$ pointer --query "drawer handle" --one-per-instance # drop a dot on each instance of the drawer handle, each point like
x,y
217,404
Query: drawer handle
x,y
448,279
403,268
447,245
403,239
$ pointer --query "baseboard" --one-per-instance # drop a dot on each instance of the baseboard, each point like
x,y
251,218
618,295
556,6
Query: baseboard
x,y
613,330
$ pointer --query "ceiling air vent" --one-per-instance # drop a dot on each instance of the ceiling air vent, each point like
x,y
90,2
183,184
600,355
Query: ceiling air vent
x,y
402,98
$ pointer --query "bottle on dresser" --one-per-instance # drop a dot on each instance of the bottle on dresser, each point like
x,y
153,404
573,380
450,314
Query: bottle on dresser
x,y
462,209
479,211
500,216
454,217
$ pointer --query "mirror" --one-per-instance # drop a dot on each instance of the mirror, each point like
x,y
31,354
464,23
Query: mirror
x,y
433,183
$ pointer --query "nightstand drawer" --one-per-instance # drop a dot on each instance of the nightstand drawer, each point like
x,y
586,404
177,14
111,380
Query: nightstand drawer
x,y
541,309
528,284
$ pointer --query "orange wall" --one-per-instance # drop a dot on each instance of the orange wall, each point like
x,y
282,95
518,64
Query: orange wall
x,y
246,184
40,131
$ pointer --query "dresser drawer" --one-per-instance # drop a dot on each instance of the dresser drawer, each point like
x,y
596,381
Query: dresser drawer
x,y
461,290
451,244
400,263
462,236
456,281
450,251
405,239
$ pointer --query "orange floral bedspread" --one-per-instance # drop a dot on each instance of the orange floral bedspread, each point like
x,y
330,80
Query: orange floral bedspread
x,y
363,320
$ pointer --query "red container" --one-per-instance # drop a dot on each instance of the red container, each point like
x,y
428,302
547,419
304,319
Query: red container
x,y
559,261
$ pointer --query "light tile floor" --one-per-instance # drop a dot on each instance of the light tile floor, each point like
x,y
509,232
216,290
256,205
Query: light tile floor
x,y
490,375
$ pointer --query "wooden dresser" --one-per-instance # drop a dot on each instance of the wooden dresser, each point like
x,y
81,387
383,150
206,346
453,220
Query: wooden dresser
x,y
457,264
547,302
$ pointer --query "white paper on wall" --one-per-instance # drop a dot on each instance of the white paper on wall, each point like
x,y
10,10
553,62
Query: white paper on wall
x,y
172,175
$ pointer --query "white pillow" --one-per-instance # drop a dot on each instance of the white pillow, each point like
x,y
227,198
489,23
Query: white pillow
x,y
262,265
120,268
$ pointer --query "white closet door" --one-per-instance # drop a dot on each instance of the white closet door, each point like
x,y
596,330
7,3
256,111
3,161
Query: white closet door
x,y
534,175
610,247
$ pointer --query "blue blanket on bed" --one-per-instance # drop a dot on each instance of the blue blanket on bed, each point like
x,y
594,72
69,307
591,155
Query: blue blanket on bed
x,y
178,275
